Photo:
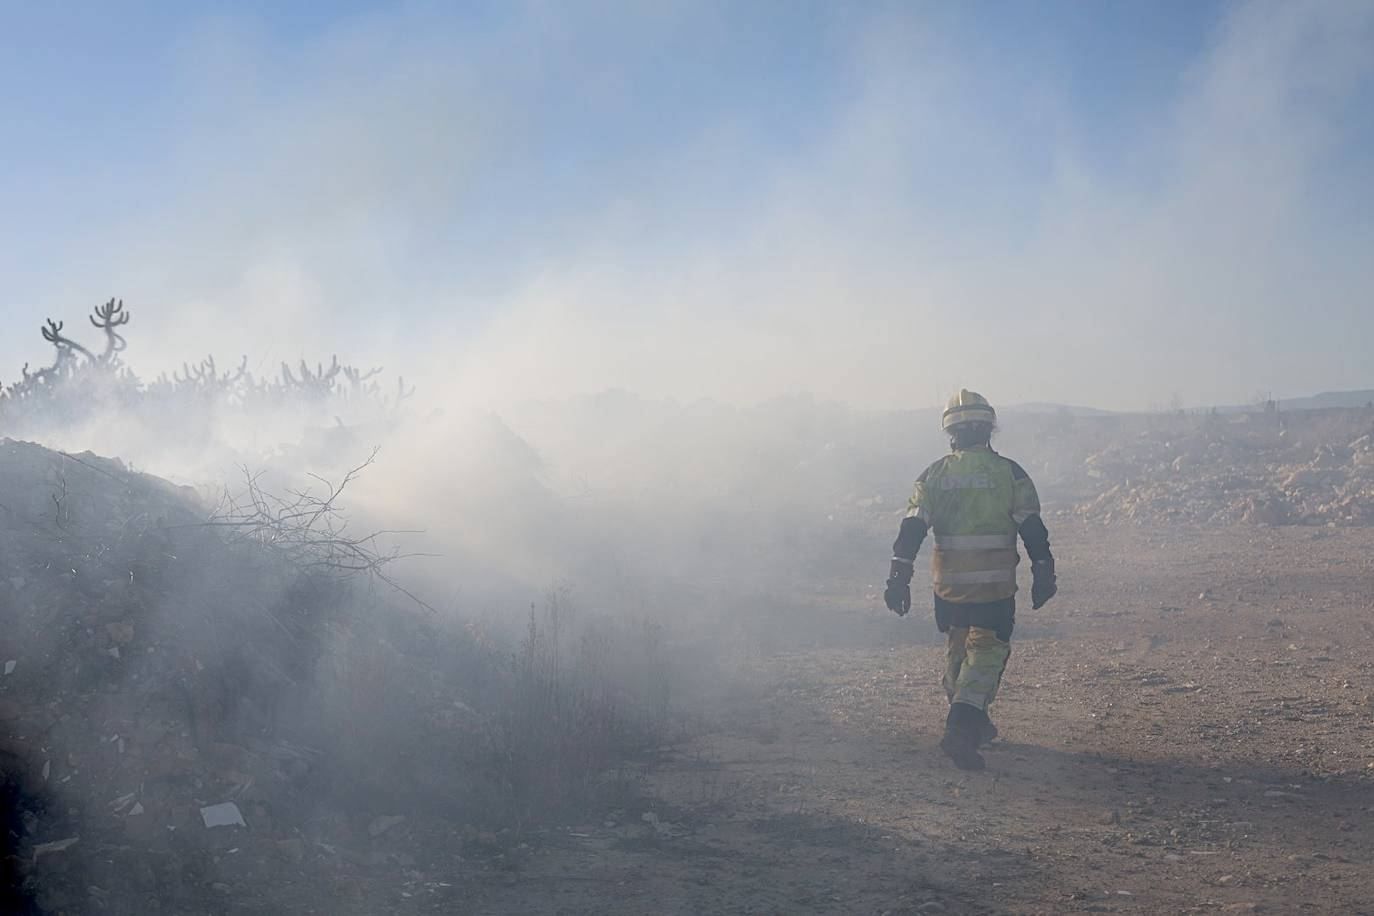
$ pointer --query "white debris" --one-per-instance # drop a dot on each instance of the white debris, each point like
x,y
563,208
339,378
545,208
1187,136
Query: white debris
x,y
10,666
136,809
225,814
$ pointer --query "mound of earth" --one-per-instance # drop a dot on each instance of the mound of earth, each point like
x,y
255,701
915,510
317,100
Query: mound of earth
x,y
186,722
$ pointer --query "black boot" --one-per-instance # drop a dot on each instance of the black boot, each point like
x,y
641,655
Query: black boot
x,y
988,733
963,732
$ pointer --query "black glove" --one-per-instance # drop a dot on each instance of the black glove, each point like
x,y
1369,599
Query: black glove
x,y
1043,584
898,594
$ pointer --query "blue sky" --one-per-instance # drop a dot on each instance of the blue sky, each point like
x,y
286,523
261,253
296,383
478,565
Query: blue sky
x,y
872,202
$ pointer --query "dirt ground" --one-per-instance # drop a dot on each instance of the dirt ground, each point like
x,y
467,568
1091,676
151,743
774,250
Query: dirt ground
x,y
1187,728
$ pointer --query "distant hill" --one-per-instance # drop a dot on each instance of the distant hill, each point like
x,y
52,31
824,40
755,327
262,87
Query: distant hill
x,y
1325,401
1042,407
1329,399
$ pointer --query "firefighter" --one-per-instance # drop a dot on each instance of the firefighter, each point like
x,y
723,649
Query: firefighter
x,y
974,502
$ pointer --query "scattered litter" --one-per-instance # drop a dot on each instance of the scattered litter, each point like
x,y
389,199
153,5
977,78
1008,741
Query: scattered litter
x,y
136,809
225,814
10,666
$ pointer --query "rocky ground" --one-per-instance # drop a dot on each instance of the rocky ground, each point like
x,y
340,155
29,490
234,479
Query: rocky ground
x,y
1313,468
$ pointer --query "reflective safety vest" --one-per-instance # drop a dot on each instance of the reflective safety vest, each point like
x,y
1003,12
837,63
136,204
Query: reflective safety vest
x,y
974,501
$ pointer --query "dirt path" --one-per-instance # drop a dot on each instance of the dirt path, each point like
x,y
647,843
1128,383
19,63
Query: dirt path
x,y
1187,728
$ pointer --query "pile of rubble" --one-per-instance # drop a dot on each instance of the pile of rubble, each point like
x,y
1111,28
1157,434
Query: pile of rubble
x,y
192,720
183,723
1225,473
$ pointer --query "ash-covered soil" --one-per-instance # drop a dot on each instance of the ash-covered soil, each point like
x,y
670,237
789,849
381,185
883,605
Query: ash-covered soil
x,y
1188,727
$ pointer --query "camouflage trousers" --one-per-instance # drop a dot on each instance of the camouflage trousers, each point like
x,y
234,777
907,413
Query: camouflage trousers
x,y
974,661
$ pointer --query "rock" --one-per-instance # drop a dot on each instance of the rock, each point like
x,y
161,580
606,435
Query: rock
x,y
1111,817
56,846
121,632
1271,512
383,823
225,814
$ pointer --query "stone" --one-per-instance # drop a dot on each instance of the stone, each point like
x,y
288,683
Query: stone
x,y
121,632
56,846
225,814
